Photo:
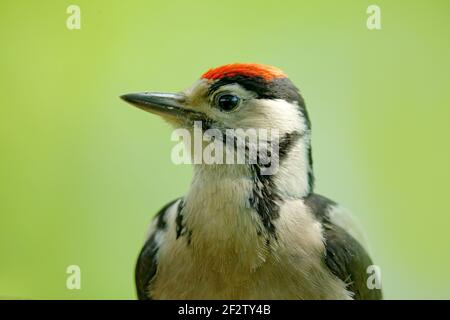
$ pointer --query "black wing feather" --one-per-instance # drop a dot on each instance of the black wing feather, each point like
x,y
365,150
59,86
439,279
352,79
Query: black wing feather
x,y
345,257
147,263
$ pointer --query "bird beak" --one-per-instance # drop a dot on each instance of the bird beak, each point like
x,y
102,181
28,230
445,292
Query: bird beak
x,y
163,104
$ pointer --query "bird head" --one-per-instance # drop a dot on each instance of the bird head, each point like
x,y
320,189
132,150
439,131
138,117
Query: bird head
x,y
232,96
241,96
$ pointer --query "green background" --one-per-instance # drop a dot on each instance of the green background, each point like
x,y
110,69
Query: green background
x,y
82,173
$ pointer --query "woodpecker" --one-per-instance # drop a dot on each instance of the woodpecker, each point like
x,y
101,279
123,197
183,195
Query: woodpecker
x,y
239,234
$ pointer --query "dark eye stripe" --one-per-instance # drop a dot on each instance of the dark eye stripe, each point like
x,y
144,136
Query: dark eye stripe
x,y
279,88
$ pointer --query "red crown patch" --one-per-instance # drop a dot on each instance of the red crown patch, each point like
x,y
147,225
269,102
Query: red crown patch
x,y
244,69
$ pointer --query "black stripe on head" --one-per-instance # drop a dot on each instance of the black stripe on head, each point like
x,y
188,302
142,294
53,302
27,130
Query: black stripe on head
x,y
278,88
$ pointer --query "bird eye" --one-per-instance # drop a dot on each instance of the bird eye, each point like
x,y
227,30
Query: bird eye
x,y
227,102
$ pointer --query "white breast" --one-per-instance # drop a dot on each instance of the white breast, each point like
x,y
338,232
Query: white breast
x,y
227,259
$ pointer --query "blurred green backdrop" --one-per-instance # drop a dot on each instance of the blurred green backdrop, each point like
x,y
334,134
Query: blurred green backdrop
x,y
81,172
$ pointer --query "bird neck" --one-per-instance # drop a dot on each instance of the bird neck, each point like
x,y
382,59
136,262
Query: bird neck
x,y
295,177
233,192
232,210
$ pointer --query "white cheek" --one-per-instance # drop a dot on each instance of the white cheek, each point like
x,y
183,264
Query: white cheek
x,y
268,114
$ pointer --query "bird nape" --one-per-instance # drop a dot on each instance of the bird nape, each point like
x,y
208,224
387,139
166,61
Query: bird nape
x,y
242,231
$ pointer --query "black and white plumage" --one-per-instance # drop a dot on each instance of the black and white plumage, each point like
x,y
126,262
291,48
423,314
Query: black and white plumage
x,y
239,234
